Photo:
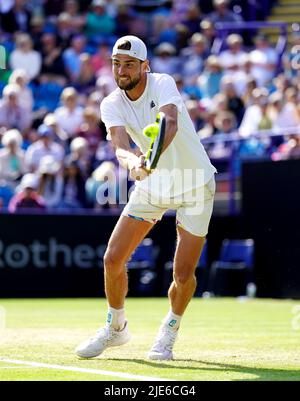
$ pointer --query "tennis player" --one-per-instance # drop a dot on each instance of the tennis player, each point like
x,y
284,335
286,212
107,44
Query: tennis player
x,y
183,180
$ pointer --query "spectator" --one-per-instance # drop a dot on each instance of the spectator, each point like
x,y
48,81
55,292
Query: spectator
x,y
86,81
90,130
209,118
208,30
12,159
235,103
192,18
284,114
253,117
37,24
12,114
209,82
69,116
99,24
73,192
233,59
59,135
77,20
250,86
44,146
80,154
193,109
27,197
193,57
53,69
16,19
264,61
291,58
64,30
71,57
20,79
222,13
51,182
165,60
221,149
99,59
24,57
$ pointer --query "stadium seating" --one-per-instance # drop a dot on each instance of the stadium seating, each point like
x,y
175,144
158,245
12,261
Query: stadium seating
x,y
230,275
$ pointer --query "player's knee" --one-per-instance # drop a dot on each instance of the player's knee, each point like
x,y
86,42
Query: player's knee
x,y
184,276
112,261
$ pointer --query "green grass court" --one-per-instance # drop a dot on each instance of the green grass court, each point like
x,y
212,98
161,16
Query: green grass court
x,y
220,339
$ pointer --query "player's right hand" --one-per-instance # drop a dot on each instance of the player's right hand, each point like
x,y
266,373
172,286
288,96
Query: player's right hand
x,y
137,169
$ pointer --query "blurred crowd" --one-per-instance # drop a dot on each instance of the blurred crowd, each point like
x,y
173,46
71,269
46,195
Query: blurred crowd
x,y
54,151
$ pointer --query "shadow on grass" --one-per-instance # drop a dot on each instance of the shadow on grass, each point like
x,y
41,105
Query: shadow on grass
x,y
263,374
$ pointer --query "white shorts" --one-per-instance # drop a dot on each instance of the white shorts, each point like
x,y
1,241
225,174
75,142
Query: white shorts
x,y
193,209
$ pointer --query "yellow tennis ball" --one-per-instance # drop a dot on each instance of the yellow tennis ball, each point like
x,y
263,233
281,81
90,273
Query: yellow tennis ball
x,y
151,131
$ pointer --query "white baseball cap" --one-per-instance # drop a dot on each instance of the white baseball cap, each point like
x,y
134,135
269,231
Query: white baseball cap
x,y
137,47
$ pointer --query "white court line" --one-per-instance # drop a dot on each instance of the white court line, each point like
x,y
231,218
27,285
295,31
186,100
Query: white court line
x,y
83,370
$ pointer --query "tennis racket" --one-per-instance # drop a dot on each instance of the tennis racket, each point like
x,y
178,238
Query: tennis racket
x,y
156,132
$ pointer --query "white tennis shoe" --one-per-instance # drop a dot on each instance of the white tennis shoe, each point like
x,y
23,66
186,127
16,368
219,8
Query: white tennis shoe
x,y
104,338
163,345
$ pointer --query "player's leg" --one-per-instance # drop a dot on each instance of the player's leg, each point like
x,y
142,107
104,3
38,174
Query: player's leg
x,y
126,236
193,220
188,252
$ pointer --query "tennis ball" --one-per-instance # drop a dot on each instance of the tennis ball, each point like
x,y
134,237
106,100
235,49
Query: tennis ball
x,y
151,131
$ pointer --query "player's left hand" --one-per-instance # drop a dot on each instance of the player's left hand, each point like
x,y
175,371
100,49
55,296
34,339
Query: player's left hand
x,y
138,171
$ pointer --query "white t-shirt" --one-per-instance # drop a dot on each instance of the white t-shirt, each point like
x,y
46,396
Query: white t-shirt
x,y
184,165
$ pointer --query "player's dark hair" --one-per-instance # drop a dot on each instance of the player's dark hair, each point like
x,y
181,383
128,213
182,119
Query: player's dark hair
x,y
126,45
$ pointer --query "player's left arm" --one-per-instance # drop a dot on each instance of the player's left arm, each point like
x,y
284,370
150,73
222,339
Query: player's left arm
x,y
171,114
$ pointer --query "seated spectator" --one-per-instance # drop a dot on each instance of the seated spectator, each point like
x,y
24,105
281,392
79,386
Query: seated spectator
x,y
12,114
51,182
37,24
80,154
53,69
27,196
59,135
208,31
17,18
99,24
250,86
44,146
210,80
73,192
99,59
85,82
165,60
193,57
64,30
20,79
71,7
12,159
233,59
283,114
25,58
235,103
91,131
221,149
69,116
222,13
264,61
71,57
254,117
193,109
192,18
209,118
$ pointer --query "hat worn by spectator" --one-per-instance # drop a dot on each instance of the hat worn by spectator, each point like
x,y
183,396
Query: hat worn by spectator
x,y
165,48
131,46
12,136
98,3
29,181
45,131
48,165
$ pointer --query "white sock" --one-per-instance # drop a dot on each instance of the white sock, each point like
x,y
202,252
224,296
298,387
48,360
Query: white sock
x,y
172,321
116,318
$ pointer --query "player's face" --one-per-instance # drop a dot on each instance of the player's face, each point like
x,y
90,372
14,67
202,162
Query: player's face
x,y
127,71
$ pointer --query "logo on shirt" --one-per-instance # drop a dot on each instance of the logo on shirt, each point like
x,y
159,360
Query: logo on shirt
x,y
152,104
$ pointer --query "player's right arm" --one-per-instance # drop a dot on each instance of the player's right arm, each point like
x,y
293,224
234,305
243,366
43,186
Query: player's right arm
x,y
127,156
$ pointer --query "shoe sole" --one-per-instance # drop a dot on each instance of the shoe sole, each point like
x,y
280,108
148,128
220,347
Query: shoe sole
x,y
160,357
